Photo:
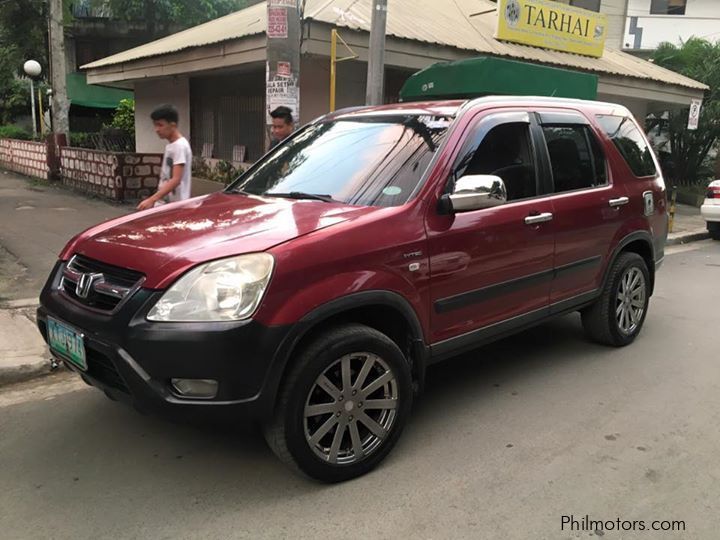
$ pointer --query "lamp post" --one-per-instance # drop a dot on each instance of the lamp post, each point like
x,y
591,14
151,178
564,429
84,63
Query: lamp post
x,y
32,69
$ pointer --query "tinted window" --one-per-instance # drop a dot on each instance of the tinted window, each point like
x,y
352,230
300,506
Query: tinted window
x,y
376,161
575,157
668,7
628,139
505,152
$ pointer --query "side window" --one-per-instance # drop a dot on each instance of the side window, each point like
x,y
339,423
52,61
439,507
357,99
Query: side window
x,y
576,158
505,151
630,142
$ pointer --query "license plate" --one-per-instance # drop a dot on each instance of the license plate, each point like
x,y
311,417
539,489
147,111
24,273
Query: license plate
x,y
67,343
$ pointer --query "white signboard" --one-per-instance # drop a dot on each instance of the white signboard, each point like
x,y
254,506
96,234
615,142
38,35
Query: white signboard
x,y
282,91
694,116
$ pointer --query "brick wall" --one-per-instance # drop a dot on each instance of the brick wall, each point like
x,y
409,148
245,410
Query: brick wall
x,y
24,157
114,175
120,176
140,173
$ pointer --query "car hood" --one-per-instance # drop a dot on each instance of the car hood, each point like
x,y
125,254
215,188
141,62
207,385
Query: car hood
x,y
164,242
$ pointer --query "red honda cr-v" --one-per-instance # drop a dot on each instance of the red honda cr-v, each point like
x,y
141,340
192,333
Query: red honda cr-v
x,y
312,293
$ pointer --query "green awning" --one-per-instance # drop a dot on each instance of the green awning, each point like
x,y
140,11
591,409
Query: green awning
x,y
488,75
91,95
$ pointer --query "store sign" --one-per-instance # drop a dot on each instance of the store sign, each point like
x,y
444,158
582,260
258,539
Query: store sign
x,y
694,116
552,25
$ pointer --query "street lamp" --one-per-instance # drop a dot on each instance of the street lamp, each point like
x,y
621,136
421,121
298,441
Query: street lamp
x,y
32,69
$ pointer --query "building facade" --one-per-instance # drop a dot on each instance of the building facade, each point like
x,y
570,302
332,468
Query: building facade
x,y
650,22
215,72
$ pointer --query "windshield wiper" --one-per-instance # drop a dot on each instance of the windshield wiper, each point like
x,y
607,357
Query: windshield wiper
x,y
300,195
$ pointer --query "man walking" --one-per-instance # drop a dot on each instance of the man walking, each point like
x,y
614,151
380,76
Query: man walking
x,y
282,125
176,171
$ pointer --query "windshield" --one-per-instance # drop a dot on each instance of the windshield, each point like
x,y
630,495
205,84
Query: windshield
x,y
373,161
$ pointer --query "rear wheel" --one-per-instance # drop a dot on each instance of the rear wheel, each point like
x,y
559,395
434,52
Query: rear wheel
x,y
343,404
618,315
713,228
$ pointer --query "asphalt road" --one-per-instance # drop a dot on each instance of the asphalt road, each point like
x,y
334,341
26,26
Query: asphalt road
x,y
36,220
505,442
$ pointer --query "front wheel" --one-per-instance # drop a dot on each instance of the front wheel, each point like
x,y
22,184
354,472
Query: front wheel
x,y
343,405
618,315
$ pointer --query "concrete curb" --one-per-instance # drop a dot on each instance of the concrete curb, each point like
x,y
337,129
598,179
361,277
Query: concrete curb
x,y
23,353
20,304
25,369
686,237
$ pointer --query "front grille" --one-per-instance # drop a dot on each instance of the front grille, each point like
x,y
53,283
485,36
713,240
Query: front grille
x,y
98,285
100,367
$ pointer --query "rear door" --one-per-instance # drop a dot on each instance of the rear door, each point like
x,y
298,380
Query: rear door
x,y
643,181
589,205
494,264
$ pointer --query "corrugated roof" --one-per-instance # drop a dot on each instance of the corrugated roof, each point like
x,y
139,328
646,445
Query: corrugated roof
x,y
247,22
462,24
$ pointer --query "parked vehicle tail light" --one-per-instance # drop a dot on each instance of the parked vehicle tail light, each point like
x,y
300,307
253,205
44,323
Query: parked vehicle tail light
x,y
713,192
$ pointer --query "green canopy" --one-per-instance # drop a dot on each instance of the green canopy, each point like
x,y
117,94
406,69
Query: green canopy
x,y
488,75
91,95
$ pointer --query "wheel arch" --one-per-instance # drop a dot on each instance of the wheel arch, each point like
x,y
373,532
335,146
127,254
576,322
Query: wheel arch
x,y
640,242
385,311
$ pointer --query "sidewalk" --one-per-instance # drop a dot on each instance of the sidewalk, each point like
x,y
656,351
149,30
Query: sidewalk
x,y
36,220
689,226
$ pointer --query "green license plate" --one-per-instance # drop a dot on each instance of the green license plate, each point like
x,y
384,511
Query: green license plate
x,y
67,343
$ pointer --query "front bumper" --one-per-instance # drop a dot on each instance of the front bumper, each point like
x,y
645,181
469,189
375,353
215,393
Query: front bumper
x,y
133,360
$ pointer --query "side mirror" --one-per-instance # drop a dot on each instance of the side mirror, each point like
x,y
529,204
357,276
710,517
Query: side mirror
x,y
475,192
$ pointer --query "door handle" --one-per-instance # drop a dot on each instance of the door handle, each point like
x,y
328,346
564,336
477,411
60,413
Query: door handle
x,y
538,218
616,203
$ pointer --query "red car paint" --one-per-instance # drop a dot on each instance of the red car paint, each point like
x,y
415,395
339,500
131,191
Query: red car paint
x,y
327,251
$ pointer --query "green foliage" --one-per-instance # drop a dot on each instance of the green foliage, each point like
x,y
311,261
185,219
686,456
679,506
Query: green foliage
x,y
124,117
78,139
23,34
14,132
698,59
223,171
160,14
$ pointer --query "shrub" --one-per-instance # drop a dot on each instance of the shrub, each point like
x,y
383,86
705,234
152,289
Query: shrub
x,y
14,132
124,117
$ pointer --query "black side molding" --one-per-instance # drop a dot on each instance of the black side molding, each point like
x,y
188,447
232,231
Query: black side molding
x,y
477,296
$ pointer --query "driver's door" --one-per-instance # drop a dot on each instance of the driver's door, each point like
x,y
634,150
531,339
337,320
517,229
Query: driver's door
x,y
492,268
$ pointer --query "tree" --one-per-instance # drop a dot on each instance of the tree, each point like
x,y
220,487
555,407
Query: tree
x,y
698,59
160,14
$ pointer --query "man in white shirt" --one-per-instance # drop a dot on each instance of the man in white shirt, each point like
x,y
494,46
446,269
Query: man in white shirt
x,y
176,172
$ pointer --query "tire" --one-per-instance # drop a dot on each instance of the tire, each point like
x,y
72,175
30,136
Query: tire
x,y
311,444
713,228
615,321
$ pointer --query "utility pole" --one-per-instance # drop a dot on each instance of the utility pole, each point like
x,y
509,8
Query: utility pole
x,y
282,70
58,69
376,60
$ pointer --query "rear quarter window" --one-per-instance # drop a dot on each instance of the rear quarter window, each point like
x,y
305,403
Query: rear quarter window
x,y
630,142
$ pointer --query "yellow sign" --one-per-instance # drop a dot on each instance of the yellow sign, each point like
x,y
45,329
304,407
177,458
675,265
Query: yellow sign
x,y
552,25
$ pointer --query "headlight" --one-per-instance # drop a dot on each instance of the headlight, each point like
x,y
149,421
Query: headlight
x,y
224,290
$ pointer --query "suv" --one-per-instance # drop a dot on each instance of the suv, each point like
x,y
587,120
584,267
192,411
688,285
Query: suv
x,y
313,292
